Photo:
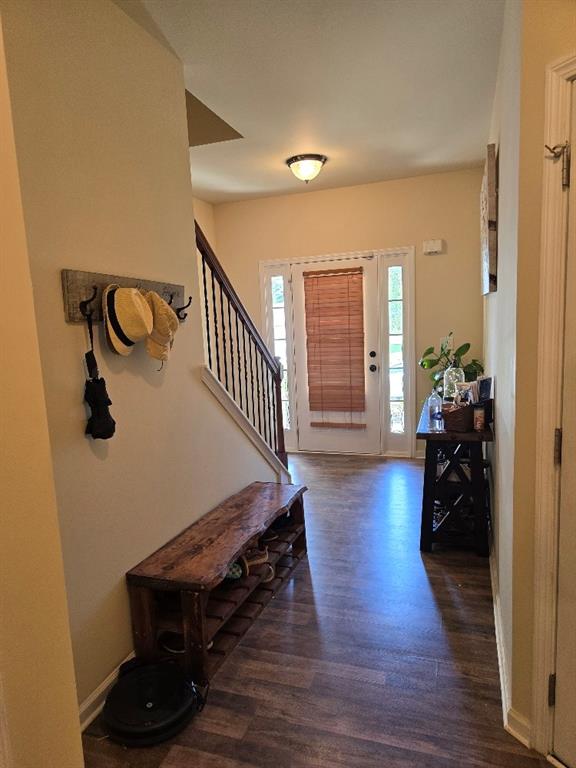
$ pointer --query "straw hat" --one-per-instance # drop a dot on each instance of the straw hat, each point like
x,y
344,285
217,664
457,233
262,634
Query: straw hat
x,y
127,317
160,340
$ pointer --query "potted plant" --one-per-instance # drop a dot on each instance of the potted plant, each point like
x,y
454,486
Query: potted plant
x,y
437,362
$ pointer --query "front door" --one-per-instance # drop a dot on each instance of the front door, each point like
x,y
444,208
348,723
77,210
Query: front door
x,y
337,354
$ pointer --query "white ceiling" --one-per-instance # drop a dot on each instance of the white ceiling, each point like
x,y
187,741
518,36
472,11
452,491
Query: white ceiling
x,y
385,88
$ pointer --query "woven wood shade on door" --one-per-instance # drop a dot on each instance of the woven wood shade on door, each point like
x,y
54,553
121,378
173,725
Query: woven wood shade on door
x,y
334,306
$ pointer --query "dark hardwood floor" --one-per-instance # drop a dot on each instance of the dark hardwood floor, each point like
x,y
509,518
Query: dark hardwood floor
x,y
374,656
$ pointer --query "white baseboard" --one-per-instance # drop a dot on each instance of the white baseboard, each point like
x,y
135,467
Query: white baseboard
x,y
554,761
237,414
500,647
514,723
518,726
92,705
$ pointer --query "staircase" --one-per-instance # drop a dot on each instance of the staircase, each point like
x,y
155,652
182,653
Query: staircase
x,y
240,368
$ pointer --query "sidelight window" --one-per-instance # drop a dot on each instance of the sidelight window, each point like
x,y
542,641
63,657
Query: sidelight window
x,y
396,349
279,339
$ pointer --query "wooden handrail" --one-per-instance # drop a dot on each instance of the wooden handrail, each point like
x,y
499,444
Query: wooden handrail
x,y
261,402
206,251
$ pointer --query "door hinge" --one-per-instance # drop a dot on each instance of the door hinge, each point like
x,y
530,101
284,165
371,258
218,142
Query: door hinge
x,y
561,151
551,690
558,446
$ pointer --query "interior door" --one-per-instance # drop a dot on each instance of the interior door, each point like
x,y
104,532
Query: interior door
x,y
565,709
337,354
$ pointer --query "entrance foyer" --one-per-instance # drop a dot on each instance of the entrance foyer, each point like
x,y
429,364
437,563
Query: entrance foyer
x,y
373,656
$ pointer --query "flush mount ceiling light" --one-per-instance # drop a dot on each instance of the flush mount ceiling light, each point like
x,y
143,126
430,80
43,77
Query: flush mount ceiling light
x,y
306,167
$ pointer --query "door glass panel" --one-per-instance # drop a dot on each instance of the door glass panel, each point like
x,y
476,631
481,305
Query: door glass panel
x,y
396,385
394,283
279,340
279,323
286,414
397,417
395,317
395,352
277,289
334,317
396,349
280,350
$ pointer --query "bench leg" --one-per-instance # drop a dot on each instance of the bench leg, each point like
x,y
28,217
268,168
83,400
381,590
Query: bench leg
x,y
194,626
143,612
299,546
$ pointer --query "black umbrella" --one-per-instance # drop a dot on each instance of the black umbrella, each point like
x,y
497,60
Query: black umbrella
x,y
100,425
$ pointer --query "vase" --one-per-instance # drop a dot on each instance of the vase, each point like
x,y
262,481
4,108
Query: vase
x,y
452,376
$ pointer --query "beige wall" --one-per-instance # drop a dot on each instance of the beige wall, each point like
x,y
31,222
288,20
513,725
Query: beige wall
x,y
38,714
536,33
101,141
500,318
382,215
204,214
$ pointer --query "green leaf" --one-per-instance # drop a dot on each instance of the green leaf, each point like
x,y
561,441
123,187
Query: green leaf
x,y
437,375
446,342
427,352
474,367
429,363
461,351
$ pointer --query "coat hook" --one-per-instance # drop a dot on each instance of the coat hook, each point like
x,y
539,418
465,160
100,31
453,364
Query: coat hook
x,y
84,310
179,311
170,300
556,151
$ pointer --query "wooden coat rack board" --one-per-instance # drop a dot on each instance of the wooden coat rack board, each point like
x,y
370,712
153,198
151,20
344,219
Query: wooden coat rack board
x,y
78,286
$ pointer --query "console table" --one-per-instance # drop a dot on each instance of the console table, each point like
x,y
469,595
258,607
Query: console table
x,y
454,485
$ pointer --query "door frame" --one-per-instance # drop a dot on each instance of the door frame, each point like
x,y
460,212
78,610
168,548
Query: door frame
x,y
553,251
408,253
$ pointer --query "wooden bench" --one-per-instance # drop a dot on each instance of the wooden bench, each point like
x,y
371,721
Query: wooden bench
x,y
182,587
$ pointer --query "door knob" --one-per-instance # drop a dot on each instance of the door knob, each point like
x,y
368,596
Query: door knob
x,y
373,368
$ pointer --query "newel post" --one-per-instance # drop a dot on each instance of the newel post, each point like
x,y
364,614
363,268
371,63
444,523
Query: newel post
x,y
280,448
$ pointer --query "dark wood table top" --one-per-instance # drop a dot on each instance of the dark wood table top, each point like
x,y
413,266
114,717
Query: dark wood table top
x,y
199,556
423,432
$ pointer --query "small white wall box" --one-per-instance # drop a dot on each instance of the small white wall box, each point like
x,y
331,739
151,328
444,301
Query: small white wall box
x,y
432,246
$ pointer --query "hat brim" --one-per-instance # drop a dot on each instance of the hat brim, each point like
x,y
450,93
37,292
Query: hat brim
x,y
113,340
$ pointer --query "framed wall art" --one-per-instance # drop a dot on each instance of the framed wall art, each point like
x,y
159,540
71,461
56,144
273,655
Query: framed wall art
x,y
489,222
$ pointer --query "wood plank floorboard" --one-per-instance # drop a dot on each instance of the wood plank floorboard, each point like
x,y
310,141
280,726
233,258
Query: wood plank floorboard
x,y
373,656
